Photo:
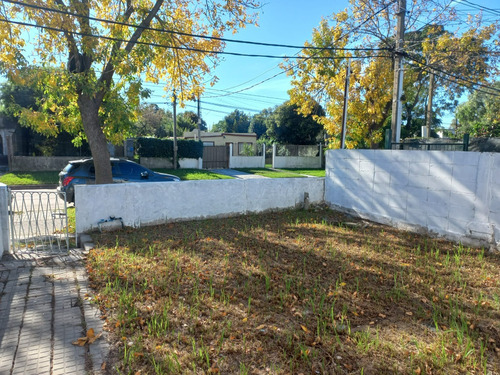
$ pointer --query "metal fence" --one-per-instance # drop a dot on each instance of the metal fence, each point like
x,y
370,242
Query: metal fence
x,y
38,221
298,150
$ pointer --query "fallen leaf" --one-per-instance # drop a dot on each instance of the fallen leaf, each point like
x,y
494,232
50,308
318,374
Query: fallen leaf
x,y
244,320
262,326
304,328
409,313
417,371
81,341
383,316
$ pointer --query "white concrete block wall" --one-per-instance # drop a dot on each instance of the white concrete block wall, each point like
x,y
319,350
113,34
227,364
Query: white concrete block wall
x,y
140,204
454,194
247,161
296,162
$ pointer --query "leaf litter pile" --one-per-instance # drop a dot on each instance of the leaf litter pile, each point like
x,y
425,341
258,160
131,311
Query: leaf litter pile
x,y
311,292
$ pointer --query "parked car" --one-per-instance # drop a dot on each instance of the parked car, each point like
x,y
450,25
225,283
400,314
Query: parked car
x,y
83,172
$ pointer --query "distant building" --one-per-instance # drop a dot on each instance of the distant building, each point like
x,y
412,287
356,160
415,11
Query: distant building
x,y
240,141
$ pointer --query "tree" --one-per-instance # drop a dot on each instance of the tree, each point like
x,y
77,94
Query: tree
x,y
188,121
14,99
258,122
287,126
236,122
111,46
429,50
153,121
480,114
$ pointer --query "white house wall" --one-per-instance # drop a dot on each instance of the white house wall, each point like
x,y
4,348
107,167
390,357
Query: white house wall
x,y
140,204
453,194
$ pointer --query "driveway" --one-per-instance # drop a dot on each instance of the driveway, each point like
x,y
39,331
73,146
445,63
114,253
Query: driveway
x,y
237,174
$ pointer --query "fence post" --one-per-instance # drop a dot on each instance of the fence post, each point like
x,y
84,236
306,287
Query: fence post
x,y
466,142
388,139
263,155
4,219
274,155
230,155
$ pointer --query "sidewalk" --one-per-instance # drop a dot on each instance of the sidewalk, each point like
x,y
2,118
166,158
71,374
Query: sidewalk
x,y
43,310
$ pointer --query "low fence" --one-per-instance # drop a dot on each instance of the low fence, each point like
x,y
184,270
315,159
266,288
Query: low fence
x,y
297,156
139,204
452,194
39,163
158,163
247,161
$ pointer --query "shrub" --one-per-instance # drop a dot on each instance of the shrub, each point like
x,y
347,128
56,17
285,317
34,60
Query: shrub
x,y
164,148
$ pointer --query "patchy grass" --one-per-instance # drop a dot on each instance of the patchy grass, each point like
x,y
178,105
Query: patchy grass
x,y
309,292
30,178
317,172
194,174
271,173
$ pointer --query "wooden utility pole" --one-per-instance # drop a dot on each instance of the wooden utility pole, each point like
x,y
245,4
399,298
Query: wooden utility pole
x,y
428,113
175,130
346,101
398,74
199,119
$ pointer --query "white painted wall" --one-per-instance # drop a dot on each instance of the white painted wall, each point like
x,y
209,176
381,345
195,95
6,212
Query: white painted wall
x,y
155,163
247,161
451,193
140,204
296,161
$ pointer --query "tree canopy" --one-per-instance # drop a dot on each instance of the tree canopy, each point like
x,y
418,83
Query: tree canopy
x,y
95,55
364,33
236,122
480,114
286,126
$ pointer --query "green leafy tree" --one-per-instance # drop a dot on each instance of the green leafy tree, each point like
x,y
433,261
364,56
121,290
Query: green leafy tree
x,y
236,122
188,121
480,114
103,49
153,121
287,126
258,123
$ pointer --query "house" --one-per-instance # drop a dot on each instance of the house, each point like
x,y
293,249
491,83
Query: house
x,y
240,141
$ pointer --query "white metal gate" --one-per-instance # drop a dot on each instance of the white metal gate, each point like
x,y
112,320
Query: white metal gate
x,y
38,221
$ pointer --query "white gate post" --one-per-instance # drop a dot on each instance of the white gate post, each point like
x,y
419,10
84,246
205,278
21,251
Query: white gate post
x,y
4,219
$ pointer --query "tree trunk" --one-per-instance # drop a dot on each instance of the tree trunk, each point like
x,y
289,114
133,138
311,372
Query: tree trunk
x,y
89,110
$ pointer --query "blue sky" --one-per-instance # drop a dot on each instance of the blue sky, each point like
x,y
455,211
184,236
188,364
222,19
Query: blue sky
x,y
280,22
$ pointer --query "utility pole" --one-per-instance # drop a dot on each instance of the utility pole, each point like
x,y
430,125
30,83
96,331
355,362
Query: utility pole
x,y
199,119
346,100
397,90
175,130
428,114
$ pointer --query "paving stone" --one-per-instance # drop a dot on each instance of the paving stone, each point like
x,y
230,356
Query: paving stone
x,y
41,305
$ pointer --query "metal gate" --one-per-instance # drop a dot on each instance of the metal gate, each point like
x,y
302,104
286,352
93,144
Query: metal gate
x,y
38,221
215,157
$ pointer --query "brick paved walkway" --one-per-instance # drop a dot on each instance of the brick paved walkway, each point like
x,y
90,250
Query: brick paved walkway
x,y
43,309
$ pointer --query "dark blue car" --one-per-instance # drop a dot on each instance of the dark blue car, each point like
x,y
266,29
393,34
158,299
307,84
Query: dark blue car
x,y
83,172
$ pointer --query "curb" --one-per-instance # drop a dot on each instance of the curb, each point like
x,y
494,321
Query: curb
x,y
86,242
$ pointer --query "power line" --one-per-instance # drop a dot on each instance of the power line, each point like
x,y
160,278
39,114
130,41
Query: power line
x,y
429,68
191,49
479,7
248,42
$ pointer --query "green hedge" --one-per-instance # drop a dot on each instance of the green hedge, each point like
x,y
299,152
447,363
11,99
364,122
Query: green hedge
x,y
164,148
